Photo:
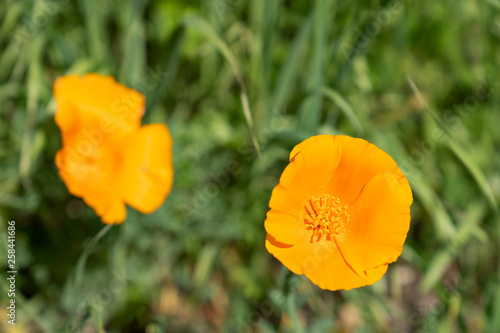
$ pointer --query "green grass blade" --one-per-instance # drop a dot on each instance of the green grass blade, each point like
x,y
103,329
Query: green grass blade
x,y
268,24
310,111
95,28
344,106
133,45
74,283
166,70
33,95
459,151
441,261
204,28
289,71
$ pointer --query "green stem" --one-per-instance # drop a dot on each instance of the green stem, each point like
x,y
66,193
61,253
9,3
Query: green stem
x,y
83,257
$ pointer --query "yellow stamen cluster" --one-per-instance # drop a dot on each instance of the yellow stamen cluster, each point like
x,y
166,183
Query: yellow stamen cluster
x,y
325,216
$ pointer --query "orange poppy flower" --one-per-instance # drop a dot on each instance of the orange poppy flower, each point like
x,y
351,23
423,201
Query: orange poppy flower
x,y
107,158
340,213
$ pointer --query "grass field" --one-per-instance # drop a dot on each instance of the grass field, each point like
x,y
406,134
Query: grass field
x,y
239,84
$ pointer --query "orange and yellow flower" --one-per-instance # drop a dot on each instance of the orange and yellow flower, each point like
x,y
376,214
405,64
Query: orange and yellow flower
x,y
108,159
340,213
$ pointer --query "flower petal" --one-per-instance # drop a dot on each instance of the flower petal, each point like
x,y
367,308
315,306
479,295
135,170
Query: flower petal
x,y
312,164
335,274
98,105
379,222
92,176
322,263
108,206
147,172
286,201
360,162
294,257
285,227
86,168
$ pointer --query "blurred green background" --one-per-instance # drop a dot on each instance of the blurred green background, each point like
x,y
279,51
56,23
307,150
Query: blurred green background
x,y
240,83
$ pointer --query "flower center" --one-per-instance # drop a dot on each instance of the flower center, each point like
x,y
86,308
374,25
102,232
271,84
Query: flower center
x,y
90,163
325,216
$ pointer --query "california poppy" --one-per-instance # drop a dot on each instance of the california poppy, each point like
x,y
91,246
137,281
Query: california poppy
x,y
107,158
340,213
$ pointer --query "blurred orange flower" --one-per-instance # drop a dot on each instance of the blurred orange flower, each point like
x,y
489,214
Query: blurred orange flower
x,y
107,158
340,213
